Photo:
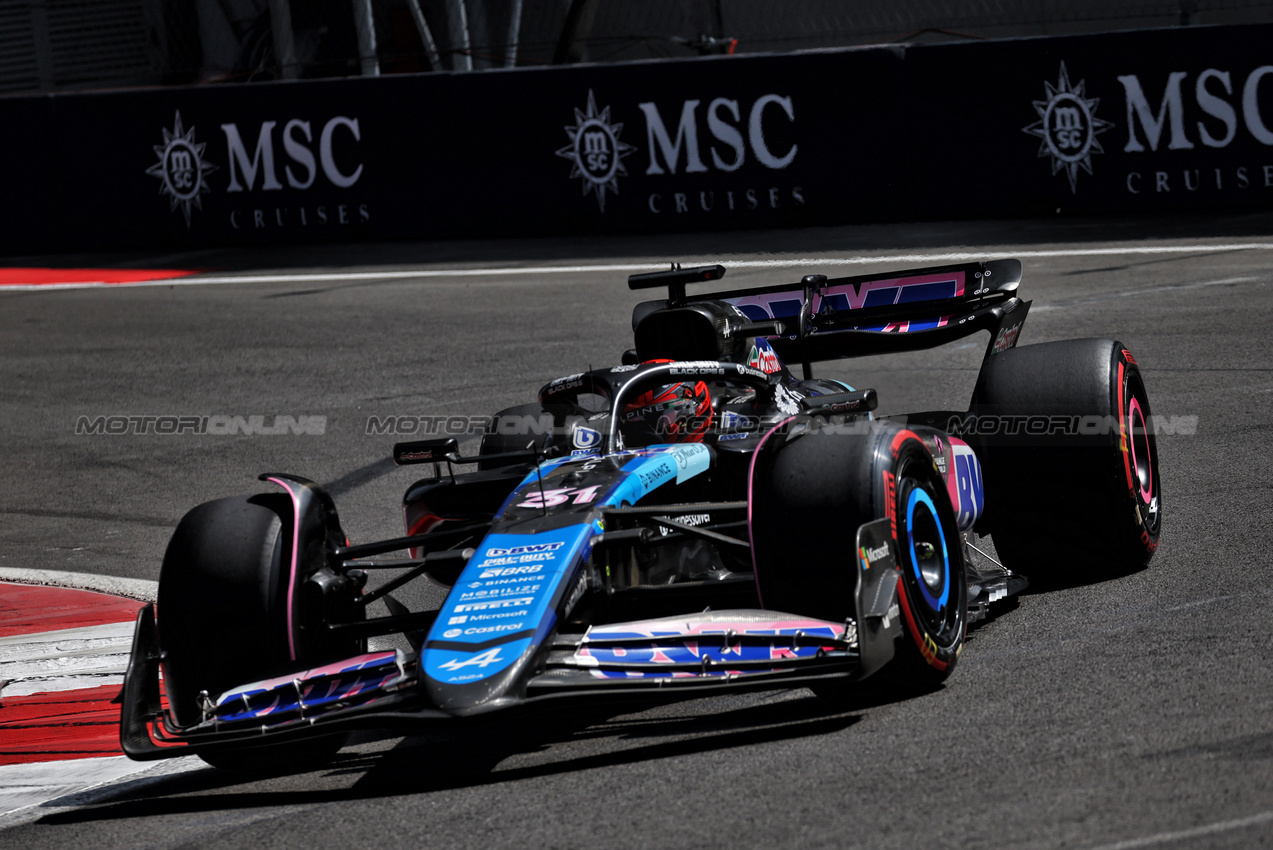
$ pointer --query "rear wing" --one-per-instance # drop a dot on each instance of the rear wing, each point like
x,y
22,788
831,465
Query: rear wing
x,y
826,319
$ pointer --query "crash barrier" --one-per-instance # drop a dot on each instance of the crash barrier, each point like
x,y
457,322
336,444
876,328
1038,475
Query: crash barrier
x,y
1167,119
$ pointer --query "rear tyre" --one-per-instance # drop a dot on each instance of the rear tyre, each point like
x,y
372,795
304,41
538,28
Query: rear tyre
x,y
224,617
1074,493
809,496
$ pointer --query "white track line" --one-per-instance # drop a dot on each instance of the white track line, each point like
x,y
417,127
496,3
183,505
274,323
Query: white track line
x,y
1136,293
1186,834
789,263
69,659
31,791
64,660
129,588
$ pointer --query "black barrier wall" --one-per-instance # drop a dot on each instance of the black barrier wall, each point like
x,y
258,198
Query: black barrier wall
x,y
1138,121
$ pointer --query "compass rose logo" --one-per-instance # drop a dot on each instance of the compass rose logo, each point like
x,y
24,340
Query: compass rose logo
x,y
1068,127
595,152
181,169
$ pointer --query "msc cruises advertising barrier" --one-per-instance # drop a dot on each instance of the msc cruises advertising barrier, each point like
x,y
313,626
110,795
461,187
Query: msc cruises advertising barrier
x,y
1165,119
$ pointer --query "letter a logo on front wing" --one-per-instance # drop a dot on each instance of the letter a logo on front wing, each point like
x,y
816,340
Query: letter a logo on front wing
x,y
491,656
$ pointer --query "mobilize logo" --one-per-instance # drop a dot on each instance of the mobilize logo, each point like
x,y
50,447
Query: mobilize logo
x,y
722,137
308,150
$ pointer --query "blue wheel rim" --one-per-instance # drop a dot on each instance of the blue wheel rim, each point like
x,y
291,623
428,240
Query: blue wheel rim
x,y
918,497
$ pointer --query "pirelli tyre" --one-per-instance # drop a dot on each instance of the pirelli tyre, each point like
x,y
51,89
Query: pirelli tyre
x,y
813,488
223,621
1070,463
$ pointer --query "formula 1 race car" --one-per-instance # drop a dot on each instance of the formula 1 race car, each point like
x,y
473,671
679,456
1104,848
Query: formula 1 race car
x,y
696,519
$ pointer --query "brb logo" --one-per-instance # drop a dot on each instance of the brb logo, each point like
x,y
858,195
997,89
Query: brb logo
x,y
1068,127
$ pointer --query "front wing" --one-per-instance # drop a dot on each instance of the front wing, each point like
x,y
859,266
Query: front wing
x,y
663,658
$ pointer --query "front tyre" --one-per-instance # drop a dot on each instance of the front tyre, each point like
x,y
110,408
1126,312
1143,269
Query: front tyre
x,y
811,491
228,614
932,588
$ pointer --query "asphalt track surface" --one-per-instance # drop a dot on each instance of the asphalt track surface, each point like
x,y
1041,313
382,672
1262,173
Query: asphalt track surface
x,y
1134,712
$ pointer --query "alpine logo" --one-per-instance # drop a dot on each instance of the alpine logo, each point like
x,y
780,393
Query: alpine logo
x,y
491,656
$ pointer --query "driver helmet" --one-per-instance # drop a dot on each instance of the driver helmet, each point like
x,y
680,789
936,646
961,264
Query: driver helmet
x,y
673,413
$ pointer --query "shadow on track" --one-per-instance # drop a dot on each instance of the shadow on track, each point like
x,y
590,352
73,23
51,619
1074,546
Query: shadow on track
x,y
468,756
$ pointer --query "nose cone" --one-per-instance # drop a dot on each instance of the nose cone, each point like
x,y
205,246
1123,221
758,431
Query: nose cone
x,y
498,614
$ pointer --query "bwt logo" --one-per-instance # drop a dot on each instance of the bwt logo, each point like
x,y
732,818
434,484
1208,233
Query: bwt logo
x,y
297,139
